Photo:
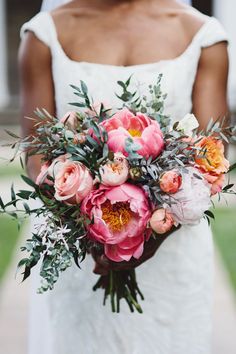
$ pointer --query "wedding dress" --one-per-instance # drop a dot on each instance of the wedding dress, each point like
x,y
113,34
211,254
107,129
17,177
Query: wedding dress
x,y
177,281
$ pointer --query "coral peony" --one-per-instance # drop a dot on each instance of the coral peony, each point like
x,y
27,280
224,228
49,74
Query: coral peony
x,y
73,182
211,157
120,215
161,221
170,181
115,172
143,130
192,200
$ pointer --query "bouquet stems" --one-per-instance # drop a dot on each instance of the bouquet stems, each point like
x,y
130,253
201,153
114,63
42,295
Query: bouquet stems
x,y
120,284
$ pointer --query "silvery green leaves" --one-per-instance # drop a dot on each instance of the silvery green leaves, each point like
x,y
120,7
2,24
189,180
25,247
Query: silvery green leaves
x,y
152,105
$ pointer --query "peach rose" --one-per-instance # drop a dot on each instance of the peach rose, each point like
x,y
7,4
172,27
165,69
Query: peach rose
x,y
42,177
214,160
71,119
170,182
73,182
216,182
115,172
96,108
161,221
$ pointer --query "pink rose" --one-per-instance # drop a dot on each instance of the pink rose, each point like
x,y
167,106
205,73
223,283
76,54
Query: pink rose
x,y
73,182
120,215
71,119
161,221
42,177
115,172
216,182
143,130
170,182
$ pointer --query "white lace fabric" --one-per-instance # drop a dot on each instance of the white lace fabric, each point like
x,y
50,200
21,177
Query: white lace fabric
x,y
177,281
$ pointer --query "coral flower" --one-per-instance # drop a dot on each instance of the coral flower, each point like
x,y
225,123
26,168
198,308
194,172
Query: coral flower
x,y
143,130
120,215
115,172
211,158
161,221
170,182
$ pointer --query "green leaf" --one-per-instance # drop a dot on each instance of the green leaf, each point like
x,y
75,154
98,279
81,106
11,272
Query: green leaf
x,y
226,188
13,195
29,182
232,167
210,214
77,104
84,86
2,204
13,135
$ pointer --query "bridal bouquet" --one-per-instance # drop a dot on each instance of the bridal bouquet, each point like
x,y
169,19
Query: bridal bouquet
x,y
115,183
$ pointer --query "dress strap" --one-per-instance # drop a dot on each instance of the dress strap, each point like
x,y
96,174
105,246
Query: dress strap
x,y
43,28
213,32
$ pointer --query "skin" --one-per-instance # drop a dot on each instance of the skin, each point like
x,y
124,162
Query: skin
x,y
119,34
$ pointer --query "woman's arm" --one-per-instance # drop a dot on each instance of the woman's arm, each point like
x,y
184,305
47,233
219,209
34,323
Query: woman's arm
x,y
210,89
37,89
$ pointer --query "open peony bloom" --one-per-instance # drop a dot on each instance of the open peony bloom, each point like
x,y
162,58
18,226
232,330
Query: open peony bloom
x,y
143,130
170,181
73,181
161,221
120,215
192,200
115,172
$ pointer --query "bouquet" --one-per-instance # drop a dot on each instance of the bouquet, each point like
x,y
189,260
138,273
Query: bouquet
x,y
114,183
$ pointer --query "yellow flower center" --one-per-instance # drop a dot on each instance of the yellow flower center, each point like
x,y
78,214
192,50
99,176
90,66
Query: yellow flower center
x,y
117,215
134,132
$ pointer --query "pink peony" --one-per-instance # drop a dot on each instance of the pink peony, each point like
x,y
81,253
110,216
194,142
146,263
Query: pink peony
x,y
115,172
120,215
170,182
73,181
143,130
192,200
161,221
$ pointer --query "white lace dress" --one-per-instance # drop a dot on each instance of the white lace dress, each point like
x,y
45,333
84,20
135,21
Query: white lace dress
x,y
177,282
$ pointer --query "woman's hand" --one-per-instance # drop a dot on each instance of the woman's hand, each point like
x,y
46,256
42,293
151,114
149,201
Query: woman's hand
x,y
103,264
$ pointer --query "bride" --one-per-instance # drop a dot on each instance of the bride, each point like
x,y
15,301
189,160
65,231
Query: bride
x,y
100,42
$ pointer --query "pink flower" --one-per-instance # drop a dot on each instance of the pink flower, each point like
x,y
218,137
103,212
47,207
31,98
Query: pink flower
x,y
216,182
170,182
192,200
73,181
120,215
143,130
71,119
42,177
115,172
161,221
96,108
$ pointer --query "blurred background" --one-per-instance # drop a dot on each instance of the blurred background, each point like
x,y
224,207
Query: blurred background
x,y
14,297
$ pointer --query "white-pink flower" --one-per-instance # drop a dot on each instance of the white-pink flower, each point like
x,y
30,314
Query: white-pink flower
x,y
73,181
116,172
192,200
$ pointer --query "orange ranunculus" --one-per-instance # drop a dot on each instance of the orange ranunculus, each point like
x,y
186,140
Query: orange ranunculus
x,y
210,158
